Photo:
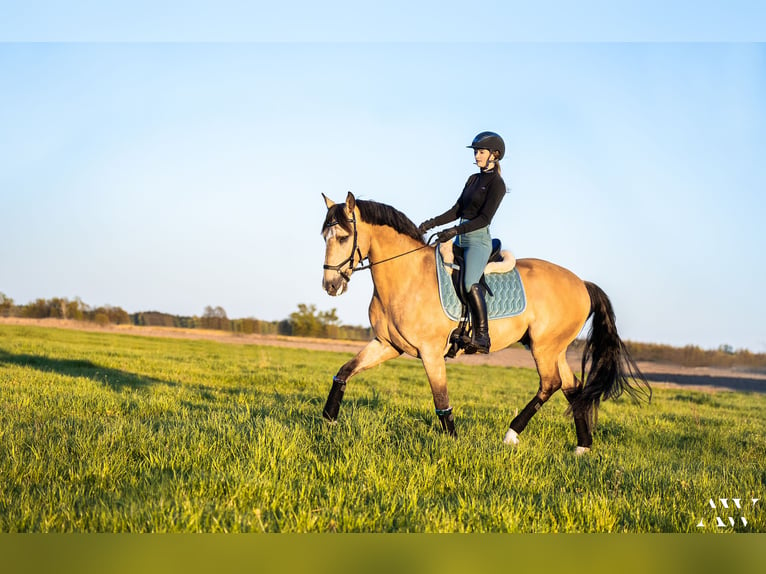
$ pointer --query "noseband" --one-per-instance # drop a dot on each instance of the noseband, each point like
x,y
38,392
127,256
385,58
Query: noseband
x,y
350,259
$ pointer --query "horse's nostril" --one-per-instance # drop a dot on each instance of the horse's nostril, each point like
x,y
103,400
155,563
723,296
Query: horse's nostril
x,y
330,287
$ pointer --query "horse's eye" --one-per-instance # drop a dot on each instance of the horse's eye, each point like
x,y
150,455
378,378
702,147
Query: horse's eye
x,y
343,239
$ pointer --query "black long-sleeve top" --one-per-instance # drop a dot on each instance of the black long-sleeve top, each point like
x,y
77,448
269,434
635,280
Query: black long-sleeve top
x,y
478,203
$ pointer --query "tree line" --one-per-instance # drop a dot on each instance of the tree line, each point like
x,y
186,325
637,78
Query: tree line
x,y
693,356
307,321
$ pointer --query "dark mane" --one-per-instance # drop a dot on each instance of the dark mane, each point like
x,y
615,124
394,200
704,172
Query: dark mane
x,y
382,214
376,214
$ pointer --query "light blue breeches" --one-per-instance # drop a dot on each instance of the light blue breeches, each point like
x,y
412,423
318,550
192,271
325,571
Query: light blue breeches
x,y
477,247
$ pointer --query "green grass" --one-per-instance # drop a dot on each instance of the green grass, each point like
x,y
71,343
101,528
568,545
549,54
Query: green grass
x,y
115,433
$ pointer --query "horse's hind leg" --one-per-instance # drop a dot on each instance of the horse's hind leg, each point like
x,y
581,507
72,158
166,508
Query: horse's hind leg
x,y
375,353
550,382
572,387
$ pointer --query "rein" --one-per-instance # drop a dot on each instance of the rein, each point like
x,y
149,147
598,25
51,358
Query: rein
x,y
355,249
372,264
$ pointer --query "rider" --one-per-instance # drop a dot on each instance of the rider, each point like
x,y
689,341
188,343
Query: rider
x,y
475,207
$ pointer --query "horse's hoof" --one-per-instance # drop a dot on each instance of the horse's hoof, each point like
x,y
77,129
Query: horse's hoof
x,y
511,437
581,450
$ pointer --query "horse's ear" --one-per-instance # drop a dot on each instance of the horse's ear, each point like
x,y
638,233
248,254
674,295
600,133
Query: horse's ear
x,y
327,201
350,202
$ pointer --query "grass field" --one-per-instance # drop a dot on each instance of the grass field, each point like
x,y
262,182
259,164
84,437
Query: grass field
x,y
116,433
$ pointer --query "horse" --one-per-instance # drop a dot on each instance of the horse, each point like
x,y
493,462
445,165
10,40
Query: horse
x,y
407,317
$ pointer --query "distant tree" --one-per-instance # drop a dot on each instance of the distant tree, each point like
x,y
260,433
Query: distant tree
x,y
305,321
57,308
308,322
285,327
76,310
38,309
355,333
251,325
6,305
329,317
116,315
330,323
187,322
101,318
119,316
217,312
215,318
153,319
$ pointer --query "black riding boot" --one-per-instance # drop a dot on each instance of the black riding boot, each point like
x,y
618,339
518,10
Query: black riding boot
x,y
479,326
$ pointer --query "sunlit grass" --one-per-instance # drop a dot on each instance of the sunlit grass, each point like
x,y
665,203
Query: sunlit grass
x,y
116,433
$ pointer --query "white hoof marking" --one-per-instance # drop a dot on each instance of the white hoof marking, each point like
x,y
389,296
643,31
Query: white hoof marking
x,y
581,450
511,437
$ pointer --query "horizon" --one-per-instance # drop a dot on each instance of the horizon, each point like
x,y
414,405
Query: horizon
x,y
580,338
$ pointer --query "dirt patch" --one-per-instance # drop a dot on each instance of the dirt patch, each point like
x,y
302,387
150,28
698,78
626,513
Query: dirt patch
x,y
661,375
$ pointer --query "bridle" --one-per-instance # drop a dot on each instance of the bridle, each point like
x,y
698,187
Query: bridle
x,y
355,249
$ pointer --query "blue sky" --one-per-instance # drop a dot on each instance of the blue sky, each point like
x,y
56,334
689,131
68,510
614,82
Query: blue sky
x,y
172,176
394,20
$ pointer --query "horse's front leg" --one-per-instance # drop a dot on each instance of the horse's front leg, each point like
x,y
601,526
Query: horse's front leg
x,y
436,370
375,353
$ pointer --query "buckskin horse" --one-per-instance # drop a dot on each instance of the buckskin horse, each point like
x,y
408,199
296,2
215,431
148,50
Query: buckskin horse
x,y
406,316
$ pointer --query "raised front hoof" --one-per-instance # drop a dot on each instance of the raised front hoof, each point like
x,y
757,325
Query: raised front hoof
x,y
511,437
581,450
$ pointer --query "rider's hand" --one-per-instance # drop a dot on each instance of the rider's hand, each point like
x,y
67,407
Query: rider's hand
x,y
446,235
425,226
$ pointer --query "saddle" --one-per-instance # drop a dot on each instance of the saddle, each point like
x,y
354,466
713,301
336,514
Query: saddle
x,y
453,256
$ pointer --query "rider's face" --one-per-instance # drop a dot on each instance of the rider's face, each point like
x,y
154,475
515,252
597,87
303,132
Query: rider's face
x,y
483,158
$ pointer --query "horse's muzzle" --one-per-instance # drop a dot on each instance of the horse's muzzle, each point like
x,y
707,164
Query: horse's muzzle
x,y
334,286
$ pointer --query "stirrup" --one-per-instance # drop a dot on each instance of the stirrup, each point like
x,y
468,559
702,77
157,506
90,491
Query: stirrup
x,y
471,347
457,341
454,346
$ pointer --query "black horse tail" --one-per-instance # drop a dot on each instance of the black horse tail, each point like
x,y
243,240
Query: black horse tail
x,y
612,370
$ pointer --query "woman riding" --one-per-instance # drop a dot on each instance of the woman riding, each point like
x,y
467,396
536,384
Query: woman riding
x,y
476,207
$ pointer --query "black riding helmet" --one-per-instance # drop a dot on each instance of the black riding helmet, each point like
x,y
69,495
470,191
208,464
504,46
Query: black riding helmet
x,y
490,141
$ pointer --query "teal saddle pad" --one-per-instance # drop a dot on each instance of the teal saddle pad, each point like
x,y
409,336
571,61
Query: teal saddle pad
x,y
508,297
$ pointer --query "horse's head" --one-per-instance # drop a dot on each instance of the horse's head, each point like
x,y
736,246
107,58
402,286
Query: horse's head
x,y
342,244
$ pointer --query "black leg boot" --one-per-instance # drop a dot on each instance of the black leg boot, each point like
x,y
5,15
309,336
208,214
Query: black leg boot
x,y
479,325
447,421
